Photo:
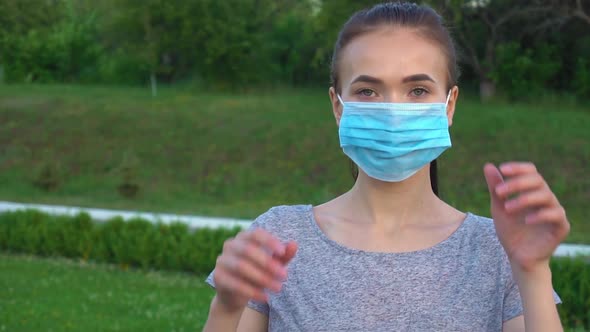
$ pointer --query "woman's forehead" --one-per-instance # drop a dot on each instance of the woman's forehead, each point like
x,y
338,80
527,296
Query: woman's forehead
x,y
392,54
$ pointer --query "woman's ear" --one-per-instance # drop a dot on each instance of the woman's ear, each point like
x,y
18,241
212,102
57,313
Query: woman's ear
x,y
454,94
336,105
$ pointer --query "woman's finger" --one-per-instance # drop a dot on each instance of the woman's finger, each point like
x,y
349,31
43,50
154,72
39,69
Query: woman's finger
x,y
554,215
493,179
528,200
227,282
252,252
290,251
251,273
264,239
515,168
520,184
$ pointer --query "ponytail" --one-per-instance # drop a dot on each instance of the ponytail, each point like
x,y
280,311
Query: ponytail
x,y
434,177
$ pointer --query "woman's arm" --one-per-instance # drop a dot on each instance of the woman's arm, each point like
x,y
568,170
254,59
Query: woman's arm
x,y
515,324
540,311
536,291
250,264
220,320
530,223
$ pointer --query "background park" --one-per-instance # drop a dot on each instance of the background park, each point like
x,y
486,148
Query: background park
x,y
220,108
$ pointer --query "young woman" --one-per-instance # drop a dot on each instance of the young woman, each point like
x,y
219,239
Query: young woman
x,y
389,255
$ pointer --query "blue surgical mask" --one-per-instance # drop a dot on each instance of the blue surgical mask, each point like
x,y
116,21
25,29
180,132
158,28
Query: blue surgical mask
x,y
392,141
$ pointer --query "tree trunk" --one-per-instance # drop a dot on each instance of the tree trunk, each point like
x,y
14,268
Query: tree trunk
x,y
487,88
154,84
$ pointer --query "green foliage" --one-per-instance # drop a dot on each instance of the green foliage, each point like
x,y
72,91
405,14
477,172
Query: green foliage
x,y
253,42
65,52
48,176
136,242
571,280
36,233
121,67
128,186
226,44
525,73
581,83
330,19
247,44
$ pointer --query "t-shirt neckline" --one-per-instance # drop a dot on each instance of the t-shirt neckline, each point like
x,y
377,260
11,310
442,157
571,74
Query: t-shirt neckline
x,y
437,247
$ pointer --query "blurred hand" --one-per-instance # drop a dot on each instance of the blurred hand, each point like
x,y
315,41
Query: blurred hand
x,y
250,263
529,220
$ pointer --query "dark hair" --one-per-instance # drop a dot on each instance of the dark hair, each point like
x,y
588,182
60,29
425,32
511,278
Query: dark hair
x,y
423,19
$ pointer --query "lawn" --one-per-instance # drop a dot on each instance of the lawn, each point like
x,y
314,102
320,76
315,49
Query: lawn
x,y
61,295
236,155
49,294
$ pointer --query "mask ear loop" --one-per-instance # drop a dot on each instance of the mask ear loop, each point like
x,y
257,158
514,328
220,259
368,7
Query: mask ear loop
x,y
341,101
448,98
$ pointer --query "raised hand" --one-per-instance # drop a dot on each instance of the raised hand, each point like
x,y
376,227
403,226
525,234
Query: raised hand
x,y
251,263
529,220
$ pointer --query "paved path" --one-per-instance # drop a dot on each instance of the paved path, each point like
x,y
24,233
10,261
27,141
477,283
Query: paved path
x,y
195,221
103,214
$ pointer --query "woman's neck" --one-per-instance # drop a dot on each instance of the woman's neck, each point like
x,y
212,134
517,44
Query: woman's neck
x,y
392,205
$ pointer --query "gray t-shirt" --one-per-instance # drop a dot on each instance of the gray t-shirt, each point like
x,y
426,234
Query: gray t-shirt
x,y
464,283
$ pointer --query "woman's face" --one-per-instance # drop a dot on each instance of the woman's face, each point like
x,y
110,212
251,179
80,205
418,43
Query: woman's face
x,y
393,65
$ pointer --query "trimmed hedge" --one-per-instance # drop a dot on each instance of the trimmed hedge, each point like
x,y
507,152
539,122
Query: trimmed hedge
x,y
136,243
571,280
140,243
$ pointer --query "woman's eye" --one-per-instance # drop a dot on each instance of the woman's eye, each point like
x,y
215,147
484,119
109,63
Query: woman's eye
x,y
367,92
417,92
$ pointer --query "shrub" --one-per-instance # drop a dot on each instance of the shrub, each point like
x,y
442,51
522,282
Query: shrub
x,y
581,82
121,67
48,176
64,52
571,280
136,243
128,186
525,73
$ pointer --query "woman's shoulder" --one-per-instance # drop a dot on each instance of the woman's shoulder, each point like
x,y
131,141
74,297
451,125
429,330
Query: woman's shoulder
x,y
480,224
285,220
480,234
486,223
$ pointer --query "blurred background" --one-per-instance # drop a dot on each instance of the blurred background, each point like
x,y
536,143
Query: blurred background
x,y
220,108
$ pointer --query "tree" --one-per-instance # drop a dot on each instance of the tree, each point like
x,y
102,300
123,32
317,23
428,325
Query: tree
x,y
19,18
481,26
331,17
142,27
572,9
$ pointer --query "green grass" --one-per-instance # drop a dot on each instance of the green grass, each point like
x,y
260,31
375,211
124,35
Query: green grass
x,y
61,295
239,154
42,294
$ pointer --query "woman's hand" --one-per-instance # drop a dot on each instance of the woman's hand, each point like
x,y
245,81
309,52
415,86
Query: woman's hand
x,y
250,263
530,221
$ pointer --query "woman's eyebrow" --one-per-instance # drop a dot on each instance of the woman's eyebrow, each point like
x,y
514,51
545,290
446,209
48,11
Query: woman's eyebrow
x,y
417,78
367,79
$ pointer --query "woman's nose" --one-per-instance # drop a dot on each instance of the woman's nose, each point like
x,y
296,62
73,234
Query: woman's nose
x,y
392,98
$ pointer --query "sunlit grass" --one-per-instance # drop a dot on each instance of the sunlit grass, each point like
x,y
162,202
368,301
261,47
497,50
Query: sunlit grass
x,y
62,295
44,294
